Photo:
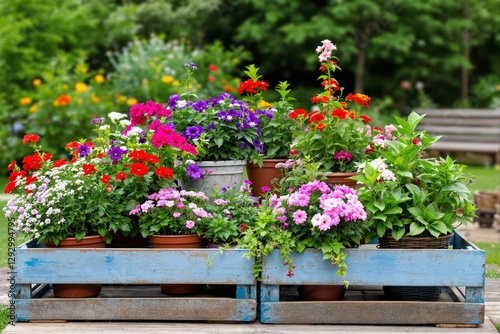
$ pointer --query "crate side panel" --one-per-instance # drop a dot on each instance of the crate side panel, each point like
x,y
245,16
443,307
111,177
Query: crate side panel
x,y
382,267
374,313
140,266
177,309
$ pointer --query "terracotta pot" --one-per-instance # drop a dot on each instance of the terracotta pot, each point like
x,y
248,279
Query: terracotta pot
x,y
178,241
341,179
263,176
77,290
321,292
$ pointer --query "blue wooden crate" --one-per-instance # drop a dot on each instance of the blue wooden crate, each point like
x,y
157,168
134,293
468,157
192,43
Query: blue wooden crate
x,y
461,270
131,279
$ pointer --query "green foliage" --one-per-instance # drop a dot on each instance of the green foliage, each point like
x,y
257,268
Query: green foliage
x,y
153,69
233,212
275,125
408,195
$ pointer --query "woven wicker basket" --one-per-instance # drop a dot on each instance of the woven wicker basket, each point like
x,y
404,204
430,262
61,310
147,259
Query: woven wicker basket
x,y
486,200
414,293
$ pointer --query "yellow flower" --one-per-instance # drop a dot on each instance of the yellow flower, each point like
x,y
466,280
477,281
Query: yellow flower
x,y
80,87
120,99
99,78
82,68
131,101
37,82
145,82
25,101
176,83
94,98
498,87
167,79
33,108
263,104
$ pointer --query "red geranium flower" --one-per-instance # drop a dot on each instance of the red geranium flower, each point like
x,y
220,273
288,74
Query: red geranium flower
x,y
12,165
138,169
89,169
105,178
30,138
297,113
164,172
120,176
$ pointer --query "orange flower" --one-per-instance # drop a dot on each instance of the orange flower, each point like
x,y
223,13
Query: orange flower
x,y
359,99
62,100
37,82
320,99
25,101
320,126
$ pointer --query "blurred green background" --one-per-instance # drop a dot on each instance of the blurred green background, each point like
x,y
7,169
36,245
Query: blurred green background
x,y
66,61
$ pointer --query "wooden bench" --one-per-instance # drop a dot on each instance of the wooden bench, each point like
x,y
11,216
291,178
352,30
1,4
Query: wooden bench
x,y
464,130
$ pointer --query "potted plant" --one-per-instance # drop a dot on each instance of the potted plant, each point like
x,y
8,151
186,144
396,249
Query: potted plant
x,y
137,156
276,129
60,204
173,218
233,211
224,130
334,134
317,215
413,201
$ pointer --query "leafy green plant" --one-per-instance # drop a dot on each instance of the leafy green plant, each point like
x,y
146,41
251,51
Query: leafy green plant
x,y
276,126
331,134
407,194
316,215
233,211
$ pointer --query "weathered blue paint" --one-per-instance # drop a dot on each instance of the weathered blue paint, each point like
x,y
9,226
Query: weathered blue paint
x,y
127,266
134,266
382,266
463,266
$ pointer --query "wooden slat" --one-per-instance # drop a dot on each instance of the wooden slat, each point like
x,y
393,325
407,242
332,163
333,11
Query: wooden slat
x,y
192,309
139,266
382,267
142,327
394,312
465,147
475,122
477,131
460,113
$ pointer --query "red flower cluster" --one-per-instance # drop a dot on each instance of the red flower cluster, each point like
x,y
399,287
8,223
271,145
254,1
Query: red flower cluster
x,y
250,87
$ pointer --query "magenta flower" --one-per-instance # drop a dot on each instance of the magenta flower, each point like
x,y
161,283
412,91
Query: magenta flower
x,y
342,155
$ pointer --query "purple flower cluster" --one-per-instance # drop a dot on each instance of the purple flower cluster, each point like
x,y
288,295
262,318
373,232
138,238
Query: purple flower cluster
x,y
319,205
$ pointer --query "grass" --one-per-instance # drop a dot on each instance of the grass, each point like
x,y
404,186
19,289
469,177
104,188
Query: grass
x,y
485,178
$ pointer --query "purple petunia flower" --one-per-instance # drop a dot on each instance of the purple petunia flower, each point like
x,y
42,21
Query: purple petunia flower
x,y
83,150
194,172
193,132
115,153
172,102
211,127
97,121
